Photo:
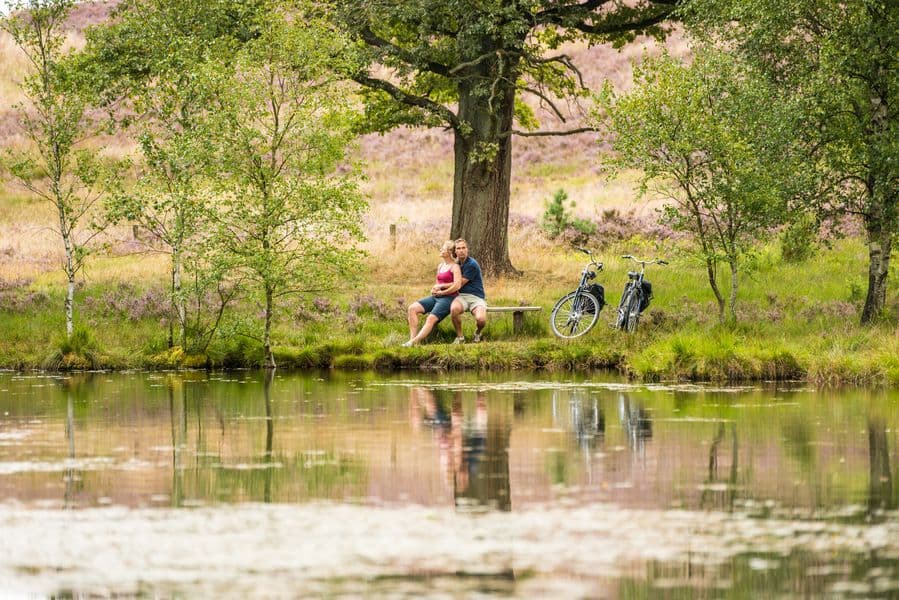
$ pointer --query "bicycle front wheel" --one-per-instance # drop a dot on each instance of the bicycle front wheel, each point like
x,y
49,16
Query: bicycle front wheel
x,y
574,315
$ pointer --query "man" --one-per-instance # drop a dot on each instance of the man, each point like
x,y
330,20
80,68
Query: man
x,y
471,295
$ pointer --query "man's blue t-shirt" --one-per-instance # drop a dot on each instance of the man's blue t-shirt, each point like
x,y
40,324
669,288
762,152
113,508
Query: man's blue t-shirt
x,y
471,271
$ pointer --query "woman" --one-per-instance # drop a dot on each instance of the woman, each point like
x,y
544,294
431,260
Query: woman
x,y
437,305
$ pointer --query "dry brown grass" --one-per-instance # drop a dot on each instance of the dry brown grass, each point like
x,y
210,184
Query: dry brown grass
x,y
408,173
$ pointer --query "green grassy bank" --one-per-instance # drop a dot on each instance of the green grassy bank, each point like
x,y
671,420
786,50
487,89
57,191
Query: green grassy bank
x,y
796,321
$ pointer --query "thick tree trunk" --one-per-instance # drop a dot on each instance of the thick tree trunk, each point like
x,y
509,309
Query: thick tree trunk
x,y
880,241
482,177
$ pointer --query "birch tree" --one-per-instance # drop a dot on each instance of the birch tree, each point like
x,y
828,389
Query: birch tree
x,y
714,141
53,166
288,217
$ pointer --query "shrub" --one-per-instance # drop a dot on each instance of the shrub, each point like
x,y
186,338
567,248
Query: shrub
x,y
799,241
557,219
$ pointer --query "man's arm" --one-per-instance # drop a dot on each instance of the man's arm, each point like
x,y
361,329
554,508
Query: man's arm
x,y
443,289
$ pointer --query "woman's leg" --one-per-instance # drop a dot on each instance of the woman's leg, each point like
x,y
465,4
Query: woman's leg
x,y
426,330
414,311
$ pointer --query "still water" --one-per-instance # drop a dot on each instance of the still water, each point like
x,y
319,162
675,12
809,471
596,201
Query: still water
x,y
239,484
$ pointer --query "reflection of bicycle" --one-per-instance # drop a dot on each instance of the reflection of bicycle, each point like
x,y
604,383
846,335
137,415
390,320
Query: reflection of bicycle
x,y
577,312
637,295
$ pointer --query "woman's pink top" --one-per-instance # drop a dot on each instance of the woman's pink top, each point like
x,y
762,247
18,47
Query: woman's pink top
x,y
446,277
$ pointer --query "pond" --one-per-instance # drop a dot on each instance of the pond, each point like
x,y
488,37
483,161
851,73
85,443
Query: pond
x,y
236,484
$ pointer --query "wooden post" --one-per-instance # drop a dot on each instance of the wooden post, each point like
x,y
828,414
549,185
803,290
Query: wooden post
x,y
517,321
393,236
134,232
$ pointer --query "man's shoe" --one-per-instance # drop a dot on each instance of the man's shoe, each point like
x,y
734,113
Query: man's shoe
x,y
459,340
476,338
407,344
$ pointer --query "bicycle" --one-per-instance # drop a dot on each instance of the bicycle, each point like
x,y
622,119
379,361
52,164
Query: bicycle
x,y
577,312
637,295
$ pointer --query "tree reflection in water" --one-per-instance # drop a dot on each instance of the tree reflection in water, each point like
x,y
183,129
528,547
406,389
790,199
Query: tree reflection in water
x,y
268,378
880,488
715,495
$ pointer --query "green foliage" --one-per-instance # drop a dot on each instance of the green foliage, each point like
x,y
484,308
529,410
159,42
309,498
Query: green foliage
x,y
799,241
714,140
54,122
840,62
286,219
557,218
77,351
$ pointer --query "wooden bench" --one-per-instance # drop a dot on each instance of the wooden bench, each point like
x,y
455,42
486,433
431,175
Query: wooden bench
x,y
517,314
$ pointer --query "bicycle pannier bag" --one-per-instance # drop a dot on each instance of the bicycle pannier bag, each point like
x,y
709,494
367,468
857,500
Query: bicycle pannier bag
x,y
647,295
598,292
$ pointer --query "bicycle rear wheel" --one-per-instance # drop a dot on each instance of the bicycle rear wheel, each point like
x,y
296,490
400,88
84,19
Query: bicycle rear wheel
x,y
633,311
624,308
574,314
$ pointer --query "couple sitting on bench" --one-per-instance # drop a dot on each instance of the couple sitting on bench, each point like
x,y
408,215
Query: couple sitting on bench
x,y
459,289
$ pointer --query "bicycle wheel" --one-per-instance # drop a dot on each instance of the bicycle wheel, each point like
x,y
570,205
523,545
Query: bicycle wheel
x,y
623,308
574,314
633,311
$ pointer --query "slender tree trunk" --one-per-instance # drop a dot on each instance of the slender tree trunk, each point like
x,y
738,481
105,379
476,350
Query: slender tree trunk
x,y
880,241
65,231
269,360
713,283
177,298
733,289
482,176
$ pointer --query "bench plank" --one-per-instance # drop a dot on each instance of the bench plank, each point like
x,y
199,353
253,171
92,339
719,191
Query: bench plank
x,y
517,314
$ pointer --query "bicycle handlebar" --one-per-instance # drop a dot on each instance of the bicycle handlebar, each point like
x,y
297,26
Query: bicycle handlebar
x,y
593,261
655,261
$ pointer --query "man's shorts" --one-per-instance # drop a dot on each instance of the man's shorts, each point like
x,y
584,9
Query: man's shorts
x,y
471,302
439,307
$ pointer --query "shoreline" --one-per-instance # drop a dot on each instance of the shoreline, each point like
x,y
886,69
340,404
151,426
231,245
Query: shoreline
x,y
747,366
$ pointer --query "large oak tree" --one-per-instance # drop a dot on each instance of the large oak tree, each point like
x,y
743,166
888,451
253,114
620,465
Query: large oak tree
x,y
463,64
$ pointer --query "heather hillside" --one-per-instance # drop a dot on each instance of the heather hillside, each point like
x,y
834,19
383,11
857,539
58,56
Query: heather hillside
x,y
408,172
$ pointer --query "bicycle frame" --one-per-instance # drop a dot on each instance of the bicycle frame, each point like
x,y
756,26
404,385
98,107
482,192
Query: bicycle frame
x,y
579,310
634,286
587,275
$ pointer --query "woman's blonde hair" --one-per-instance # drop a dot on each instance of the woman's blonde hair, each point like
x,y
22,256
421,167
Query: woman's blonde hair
x,y
449,245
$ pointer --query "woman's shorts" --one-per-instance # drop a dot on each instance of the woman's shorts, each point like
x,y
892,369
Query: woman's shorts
x,y
439,307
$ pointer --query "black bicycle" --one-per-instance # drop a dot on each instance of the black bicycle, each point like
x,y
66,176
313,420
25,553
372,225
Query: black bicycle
x,y
637,295
577,312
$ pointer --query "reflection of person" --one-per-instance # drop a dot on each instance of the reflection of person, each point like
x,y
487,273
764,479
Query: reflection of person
x,y
471,294
474,459
437,305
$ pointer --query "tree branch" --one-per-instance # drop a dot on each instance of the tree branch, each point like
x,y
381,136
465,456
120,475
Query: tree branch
x,y
544,98
547,133
576,15
372,39
409,99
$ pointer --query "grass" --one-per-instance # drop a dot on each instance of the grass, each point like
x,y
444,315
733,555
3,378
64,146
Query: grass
x,y
797,321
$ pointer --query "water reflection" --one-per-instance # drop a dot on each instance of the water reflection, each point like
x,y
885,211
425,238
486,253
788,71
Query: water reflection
x,y
473,442
195,438
881,495
662,491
